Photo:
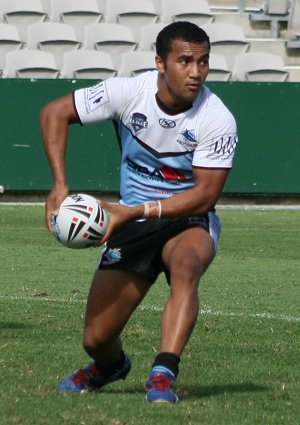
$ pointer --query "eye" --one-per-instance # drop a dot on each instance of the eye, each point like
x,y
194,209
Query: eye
x,y
184,61
204,61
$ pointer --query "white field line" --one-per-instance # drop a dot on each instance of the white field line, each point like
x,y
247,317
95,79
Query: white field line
x,y
204,312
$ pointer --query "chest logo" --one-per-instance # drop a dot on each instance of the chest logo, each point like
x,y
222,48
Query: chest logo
x,y
138,121
167,123
188,140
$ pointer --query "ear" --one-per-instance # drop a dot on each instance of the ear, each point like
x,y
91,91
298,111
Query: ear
x,y
160,65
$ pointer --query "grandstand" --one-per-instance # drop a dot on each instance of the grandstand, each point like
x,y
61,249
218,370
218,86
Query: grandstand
x,y
261,37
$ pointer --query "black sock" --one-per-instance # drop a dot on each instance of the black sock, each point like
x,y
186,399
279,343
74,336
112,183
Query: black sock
x,y
114,366
168,360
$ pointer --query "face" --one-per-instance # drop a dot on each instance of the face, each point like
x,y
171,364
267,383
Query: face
x,y
182,75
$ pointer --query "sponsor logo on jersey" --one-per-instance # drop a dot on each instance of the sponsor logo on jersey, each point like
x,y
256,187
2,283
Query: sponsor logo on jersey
x,y
96,96
188,140
167,123
223,147
164,174
138,121
112,256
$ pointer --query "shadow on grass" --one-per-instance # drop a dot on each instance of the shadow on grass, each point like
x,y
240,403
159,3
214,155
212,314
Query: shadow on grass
x,y
13,325
193,391
213,390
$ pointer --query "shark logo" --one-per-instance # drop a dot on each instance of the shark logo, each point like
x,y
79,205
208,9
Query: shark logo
x,y
112,256
189,135
188,140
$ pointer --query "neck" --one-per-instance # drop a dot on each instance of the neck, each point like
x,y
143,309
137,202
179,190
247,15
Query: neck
x,y
171,110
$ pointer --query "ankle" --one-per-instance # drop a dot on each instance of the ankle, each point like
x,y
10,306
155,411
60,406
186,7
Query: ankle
x,y
167,361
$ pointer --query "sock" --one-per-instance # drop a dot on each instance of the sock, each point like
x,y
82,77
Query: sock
x,y
114,366
169,361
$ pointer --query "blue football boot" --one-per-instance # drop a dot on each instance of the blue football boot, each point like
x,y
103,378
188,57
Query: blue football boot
x,y
159,386
91,379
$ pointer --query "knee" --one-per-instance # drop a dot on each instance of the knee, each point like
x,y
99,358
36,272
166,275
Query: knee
x,y
94,340
187,268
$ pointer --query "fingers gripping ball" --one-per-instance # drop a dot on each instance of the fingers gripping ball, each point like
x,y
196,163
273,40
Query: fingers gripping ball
x,y
80,223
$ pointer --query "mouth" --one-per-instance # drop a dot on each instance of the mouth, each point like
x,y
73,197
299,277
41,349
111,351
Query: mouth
x,y
194,86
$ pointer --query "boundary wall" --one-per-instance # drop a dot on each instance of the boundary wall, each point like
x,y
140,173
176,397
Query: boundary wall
x,y
267,159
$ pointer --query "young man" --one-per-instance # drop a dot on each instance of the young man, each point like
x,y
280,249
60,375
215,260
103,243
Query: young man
x,y
178,142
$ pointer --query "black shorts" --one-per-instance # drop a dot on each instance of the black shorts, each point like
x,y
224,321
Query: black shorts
x,y
138,245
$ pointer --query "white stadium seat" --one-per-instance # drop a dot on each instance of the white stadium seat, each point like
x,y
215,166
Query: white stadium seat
x,y
9,41
29,63
77,13
87,64
52,37
294,25
111,38
227,40
22,13
149,34
190,10
132,13
134,63
218,68
258,66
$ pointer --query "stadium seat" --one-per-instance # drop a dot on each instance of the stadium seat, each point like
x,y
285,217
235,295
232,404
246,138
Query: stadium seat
x,y
277,7
294,25
21,13
134,63
87,64
111,38
77,13
258,66
218,69
274,12
9,41
46,6
191,10
53,37
227,40
132,13
29,63
148,36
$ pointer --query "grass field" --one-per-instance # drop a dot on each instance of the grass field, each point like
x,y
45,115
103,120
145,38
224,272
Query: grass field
x,y
241,366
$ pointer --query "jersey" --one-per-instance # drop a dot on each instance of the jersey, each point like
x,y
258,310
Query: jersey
x,y
159,151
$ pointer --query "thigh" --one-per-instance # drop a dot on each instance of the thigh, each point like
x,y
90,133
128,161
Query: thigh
x,y
113,297
187,255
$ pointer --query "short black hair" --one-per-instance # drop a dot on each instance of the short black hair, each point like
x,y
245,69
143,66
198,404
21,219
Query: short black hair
x,y
180,30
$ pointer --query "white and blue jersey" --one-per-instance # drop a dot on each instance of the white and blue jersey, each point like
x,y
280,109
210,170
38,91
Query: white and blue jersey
x,y
159,150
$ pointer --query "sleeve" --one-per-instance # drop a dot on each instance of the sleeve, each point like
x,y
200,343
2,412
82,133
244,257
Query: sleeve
x,y
101,102
218,141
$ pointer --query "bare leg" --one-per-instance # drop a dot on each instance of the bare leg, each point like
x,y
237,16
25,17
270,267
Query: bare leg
x,y
187,256
113,297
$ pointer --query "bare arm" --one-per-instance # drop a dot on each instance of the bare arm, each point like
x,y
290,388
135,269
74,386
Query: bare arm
x,y
197,200
54,121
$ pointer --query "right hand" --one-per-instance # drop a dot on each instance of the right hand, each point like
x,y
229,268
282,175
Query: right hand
x,y
53,202
118,216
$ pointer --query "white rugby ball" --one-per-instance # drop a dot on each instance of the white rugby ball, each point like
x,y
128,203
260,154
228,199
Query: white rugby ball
x,y
80,223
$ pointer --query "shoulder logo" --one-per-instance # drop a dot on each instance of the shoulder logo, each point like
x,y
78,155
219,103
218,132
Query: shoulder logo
x,y
96,96
138,121
167,123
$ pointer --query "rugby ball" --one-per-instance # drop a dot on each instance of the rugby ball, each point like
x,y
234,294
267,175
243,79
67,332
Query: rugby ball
x,y
80,223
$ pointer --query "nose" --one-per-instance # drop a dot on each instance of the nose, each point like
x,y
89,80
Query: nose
x,y
195,70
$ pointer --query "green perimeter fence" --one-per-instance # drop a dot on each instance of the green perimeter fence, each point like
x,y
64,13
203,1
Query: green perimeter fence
x,y
267,159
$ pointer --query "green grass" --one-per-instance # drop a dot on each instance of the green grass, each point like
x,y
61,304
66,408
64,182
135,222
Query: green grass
x,y
240,367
